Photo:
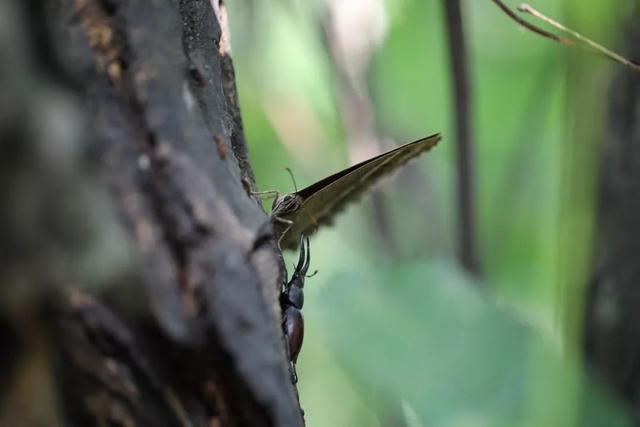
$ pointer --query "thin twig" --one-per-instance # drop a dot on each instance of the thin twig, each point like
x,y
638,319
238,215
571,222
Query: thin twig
x,y
529,26
588,43
464,135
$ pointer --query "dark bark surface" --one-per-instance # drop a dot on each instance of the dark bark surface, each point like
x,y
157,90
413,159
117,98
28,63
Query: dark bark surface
x,y
612,328
135,261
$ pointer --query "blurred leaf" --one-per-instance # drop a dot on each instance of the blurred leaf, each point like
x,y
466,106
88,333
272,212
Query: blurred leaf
x,y
455,357
426,334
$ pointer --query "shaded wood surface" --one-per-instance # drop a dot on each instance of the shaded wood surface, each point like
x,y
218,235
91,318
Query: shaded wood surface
x,y
612,326
139,265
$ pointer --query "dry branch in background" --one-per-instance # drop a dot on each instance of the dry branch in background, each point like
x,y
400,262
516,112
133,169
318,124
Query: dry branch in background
x,y
572,38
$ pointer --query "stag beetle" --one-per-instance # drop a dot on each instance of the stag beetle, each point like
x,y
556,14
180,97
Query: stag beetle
x,y
291,300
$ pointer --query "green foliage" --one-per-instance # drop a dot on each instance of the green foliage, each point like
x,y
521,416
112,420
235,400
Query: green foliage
x,y
386,334
425,334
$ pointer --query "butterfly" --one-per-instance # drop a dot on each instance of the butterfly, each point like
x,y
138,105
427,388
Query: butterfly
x,y
303,211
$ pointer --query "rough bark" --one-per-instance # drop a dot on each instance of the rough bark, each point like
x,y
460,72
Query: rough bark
x,y
612,328
140,278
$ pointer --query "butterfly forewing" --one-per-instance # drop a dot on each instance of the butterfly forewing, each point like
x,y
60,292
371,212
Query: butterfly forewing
x,y
320,202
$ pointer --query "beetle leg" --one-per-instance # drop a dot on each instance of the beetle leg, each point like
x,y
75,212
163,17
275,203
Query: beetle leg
x,y
287,345
292,364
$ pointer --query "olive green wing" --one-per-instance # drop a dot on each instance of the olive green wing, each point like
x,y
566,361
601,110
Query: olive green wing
x,y
326,198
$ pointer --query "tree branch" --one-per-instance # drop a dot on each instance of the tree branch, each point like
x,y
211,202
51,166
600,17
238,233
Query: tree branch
x,y
529,26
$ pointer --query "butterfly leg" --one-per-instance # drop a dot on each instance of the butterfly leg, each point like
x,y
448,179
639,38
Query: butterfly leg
x,y
269,194
286,230
266,194
265,232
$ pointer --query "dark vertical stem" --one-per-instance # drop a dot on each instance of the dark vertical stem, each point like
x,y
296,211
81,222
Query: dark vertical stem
x,y
462,103
611,333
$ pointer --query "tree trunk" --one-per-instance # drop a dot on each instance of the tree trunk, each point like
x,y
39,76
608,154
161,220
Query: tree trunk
x,y
612,329
140,279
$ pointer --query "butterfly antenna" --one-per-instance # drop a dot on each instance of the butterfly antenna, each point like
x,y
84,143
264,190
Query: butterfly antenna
x,y
292,179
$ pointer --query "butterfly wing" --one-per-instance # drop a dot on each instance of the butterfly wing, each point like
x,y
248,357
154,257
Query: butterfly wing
x,y
322,201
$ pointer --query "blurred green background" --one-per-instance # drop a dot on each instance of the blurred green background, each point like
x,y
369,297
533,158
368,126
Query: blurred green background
x,y
396,333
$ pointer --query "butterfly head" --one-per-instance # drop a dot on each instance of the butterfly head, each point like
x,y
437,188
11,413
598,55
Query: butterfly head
x,y
288,203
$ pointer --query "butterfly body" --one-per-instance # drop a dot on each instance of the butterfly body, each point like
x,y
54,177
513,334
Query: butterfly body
x,y
304,211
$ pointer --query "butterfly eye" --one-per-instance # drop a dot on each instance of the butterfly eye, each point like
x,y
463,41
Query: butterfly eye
x,y
288,201
281,202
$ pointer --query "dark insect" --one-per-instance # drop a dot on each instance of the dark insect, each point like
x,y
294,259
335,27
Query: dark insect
x,y
307,209
291,301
